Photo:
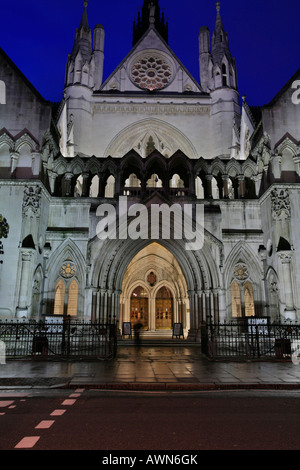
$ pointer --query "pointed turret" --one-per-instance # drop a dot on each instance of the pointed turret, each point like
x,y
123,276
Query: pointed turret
x,y
85,63
150,16
217,66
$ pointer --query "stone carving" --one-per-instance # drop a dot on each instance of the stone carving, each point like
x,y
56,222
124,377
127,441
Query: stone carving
x,y
151,278
31,200
241,272
4,227
281,207
68,270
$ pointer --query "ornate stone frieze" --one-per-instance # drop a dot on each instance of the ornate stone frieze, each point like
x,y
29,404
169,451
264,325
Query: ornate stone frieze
x,y
281,207
31,200
241,272
4,227
147,108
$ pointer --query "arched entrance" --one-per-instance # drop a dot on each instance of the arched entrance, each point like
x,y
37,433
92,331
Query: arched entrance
x,y
154,291
118,267
139,301
164,309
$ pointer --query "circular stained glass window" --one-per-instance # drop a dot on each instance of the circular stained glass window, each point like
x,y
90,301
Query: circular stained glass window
x,y
68,270
151,72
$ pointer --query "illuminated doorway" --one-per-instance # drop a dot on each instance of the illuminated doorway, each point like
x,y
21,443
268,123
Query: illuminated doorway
x,y
164,309
139,307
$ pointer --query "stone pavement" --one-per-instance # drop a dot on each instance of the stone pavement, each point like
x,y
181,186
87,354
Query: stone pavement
x,y
151,368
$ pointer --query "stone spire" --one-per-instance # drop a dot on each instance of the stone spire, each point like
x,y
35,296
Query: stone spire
x,y
83,37
151,15
85,63
220,42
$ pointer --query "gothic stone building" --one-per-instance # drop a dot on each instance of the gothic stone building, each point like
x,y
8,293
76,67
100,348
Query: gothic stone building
x,y
153,134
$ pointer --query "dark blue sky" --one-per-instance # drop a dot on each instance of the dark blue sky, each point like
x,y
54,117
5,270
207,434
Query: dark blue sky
x,y
264,38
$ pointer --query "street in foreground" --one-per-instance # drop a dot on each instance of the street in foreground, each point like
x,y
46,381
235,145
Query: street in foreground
x,y
131,422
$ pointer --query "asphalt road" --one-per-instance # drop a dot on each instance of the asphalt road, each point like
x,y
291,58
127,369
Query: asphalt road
x,y
191,422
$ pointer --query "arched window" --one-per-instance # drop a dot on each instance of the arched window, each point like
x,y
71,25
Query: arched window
x,y
59,301
249,300
236,300
224,75
242,295
73,298
66,291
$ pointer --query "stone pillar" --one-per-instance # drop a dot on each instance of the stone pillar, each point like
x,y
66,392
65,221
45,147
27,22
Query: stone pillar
x,y
14,160
209,186
225,179
25,282
286,258
85,184
222,305
241,180
67,184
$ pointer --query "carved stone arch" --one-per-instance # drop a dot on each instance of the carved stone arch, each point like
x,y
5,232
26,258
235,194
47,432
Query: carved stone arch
x,y
233,168
76,166
26,140
286,144
6,139
109,167
92,166
67,251
201,166
60,166
131,163
170,136
156,164
242,257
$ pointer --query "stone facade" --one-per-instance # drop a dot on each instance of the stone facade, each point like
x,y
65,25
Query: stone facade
x,y
152,134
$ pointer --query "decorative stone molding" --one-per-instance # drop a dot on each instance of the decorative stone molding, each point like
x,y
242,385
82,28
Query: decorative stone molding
x,y
281,207
4,227
31,200
241,272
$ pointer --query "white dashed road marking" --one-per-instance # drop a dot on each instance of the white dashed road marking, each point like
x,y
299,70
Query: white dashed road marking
x,y
27,442
57,412
45,424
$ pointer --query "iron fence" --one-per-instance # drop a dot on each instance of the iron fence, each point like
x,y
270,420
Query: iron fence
x,y
251,338
65,338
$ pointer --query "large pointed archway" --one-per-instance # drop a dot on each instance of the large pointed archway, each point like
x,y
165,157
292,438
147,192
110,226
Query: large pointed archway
x,y
154,291
203,299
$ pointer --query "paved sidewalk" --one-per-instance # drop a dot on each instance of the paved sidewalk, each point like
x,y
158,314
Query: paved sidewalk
x,y
151,368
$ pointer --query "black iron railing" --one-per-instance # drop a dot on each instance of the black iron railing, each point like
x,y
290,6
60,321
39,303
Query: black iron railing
x,y
251,338
63,338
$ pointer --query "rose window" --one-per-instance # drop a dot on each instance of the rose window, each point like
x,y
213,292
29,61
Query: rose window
x,y
151,73
67,270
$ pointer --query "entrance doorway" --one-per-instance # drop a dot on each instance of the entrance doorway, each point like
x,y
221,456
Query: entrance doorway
x,y
154,292
164,309
139,307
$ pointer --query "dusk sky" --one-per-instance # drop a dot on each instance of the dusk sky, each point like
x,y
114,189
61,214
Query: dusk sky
x,y
264,38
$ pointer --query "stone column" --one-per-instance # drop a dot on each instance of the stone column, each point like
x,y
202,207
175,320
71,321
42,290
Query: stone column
x,y
85,184
14,160
222,305
25,287
67,184
225,179
209,186
241,180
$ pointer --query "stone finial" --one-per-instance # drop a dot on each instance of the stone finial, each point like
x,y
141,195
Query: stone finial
x,y
218,5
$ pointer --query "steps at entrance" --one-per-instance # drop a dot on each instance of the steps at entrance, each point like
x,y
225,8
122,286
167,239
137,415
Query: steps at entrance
x,y
149,339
